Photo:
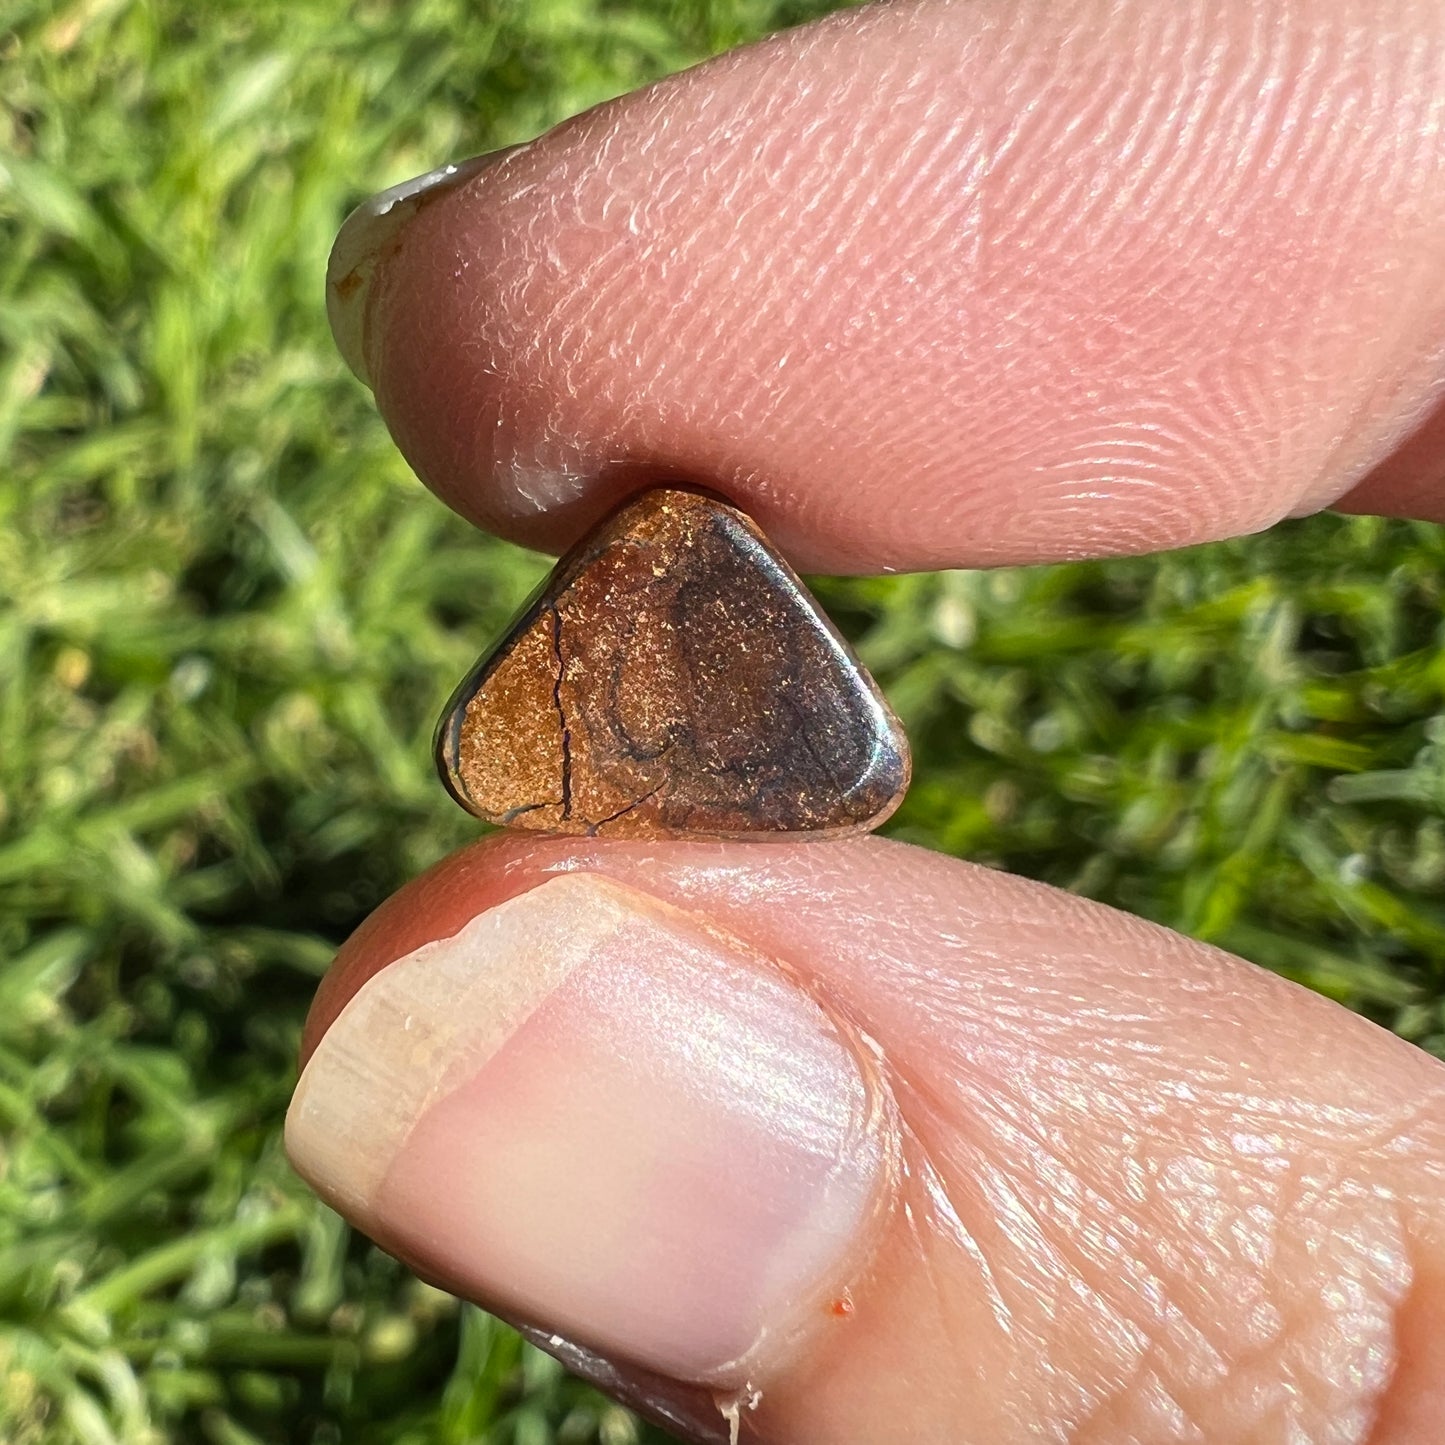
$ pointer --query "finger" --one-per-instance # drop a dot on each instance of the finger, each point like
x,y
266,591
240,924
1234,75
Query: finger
x,y
933,284
908,1148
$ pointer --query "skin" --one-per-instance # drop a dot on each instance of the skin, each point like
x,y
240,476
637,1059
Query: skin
x,y
942,285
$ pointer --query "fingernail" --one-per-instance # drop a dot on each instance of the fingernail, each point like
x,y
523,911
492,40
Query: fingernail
x,y
589,1110
365,238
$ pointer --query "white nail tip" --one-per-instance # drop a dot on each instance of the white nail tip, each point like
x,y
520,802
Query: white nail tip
x,y
362,238
424,1024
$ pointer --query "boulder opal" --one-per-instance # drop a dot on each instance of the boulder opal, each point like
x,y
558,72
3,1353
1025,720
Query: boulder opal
x,y
673,678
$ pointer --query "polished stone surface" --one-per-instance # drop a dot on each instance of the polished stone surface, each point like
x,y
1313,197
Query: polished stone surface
x,y
673,678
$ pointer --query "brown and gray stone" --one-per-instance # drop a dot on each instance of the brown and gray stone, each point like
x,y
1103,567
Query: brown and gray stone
x,y
673,678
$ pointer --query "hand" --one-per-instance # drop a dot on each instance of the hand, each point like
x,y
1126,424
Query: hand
x,y
849,1142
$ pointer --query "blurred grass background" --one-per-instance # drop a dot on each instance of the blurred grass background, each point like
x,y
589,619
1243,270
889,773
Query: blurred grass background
x,y
228,616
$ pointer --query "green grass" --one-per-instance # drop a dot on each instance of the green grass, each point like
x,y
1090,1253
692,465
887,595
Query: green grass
x,y
228,617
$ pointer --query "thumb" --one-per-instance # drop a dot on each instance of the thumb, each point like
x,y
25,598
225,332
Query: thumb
x,y
857,1142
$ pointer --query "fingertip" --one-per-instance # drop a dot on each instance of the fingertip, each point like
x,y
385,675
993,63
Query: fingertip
x,y
589,1108
915,293
1074,1092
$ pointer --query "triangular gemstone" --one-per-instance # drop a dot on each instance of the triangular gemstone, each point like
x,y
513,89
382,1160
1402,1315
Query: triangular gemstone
x,y
673,678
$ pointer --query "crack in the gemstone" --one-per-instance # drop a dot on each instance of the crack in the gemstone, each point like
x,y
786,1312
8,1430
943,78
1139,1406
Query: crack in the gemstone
x,y
593,828
562,713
